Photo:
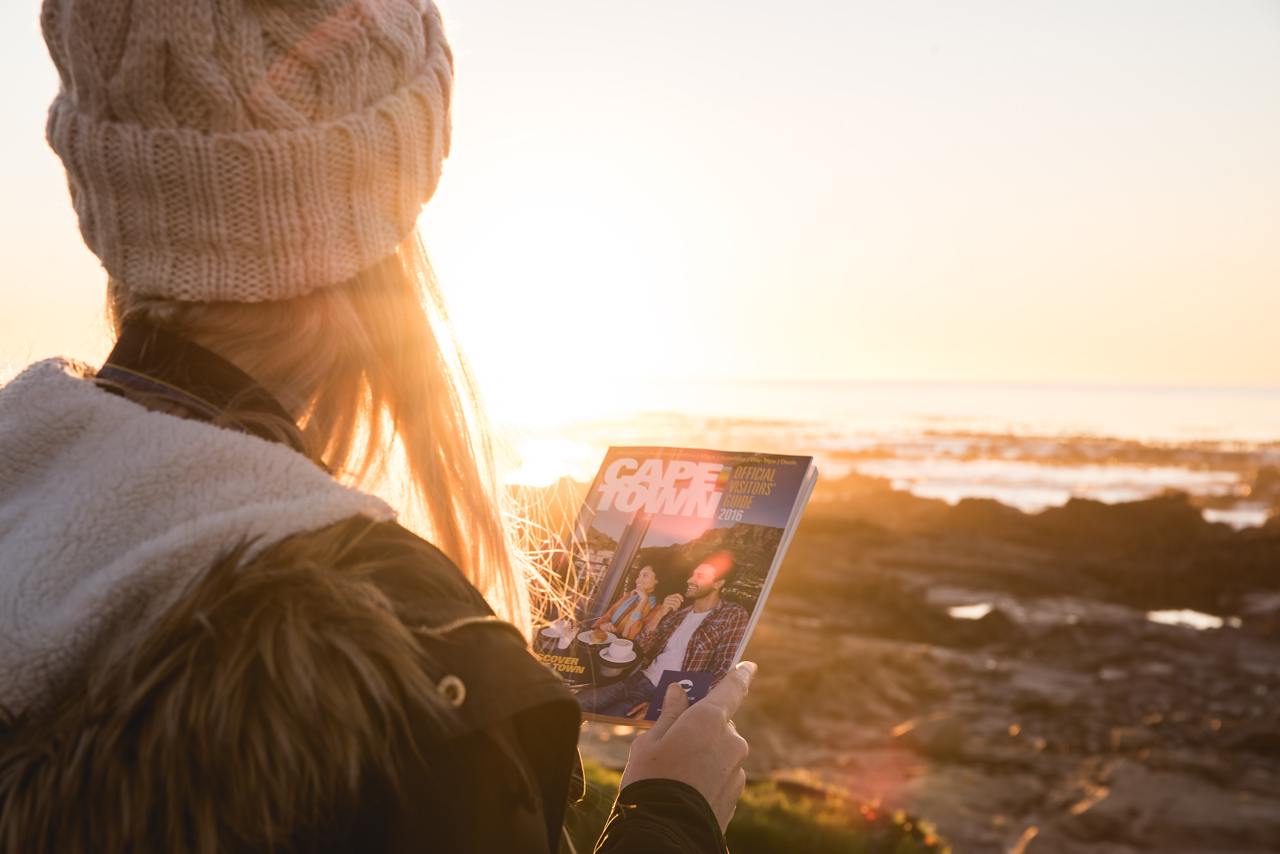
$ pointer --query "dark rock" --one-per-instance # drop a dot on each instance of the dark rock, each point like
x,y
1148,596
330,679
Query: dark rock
x,y
1164,524
1165,811
1262,740
991,628
985,517
1266,485
938,736
1124,738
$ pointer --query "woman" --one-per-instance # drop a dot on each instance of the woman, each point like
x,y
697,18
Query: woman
x,y
213,636
627,616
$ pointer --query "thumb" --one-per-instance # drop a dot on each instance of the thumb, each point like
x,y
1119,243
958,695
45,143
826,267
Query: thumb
x,y
674,704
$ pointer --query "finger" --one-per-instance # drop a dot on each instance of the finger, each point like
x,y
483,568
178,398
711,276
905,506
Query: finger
x,y
731,751
737,747
674,705
732,690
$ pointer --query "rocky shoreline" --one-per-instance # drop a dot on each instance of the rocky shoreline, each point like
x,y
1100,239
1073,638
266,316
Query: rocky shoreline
x,y
1062,718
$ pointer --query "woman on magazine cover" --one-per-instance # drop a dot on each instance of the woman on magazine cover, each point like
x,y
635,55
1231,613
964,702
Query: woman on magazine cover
x,y
213,636
630,613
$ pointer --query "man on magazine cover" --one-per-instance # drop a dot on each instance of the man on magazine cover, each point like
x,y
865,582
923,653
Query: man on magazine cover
x,y
698,631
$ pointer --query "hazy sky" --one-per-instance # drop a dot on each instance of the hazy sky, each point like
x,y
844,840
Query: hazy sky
x,y
819,189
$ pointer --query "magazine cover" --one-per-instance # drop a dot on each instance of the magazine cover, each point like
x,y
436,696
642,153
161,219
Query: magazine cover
x,y
672,556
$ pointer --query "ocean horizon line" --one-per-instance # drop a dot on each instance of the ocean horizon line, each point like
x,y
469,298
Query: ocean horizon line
x,y
1005,385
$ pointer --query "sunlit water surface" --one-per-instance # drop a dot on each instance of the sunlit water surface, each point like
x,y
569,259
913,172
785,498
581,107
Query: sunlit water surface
x,y
1030,447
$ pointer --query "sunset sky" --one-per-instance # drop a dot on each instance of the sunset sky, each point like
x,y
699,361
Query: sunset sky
x,y
1016,191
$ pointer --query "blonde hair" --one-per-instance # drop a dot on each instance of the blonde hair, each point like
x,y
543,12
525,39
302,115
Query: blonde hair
x,y
383,398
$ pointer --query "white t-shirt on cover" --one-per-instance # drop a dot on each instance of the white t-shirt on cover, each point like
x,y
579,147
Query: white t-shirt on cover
x,y
672,655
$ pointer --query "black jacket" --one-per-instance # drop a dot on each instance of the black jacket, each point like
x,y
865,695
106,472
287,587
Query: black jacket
x,y
502,774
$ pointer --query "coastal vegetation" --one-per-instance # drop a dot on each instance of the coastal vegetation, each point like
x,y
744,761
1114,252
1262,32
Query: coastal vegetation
x,y
779,815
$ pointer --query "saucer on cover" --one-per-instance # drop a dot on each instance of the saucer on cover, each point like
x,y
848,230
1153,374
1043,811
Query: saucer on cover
x,y
631,656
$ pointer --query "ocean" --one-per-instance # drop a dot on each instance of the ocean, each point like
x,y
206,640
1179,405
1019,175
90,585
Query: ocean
x,y
1029,446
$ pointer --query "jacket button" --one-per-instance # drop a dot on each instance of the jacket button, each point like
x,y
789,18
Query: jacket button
x,y
453,690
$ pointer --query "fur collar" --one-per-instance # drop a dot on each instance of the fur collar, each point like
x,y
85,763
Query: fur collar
x,y
273,707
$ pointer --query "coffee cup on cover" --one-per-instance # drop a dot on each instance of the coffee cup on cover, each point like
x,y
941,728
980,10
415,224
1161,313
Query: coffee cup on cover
x,y
616,657
620,649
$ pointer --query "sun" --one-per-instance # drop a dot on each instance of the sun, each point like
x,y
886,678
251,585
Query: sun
x,y
559,279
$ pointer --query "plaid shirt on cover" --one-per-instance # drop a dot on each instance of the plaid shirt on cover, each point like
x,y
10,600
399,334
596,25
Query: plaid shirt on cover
x,y
713,645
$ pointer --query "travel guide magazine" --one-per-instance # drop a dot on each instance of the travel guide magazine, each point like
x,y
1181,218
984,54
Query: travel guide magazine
x,y
670,560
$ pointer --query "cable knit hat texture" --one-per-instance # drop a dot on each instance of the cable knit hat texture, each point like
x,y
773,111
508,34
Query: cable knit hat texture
x,y
247,150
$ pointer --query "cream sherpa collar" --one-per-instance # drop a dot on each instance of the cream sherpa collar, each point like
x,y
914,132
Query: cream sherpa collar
x,y
109,510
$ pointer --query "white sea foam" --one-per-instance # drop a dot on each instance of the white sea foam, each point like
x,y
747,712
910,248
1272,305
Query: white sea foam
x,y
1192,619
1028,447
970,612
1032,487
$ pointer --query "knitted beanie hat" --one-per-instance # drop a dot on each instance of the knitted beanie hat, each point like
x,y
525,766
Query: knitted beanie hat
x,y
247,150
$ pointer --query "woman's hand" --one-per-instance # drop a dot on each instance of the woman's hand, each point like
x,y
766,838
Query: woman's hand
x,y
606,626
698,744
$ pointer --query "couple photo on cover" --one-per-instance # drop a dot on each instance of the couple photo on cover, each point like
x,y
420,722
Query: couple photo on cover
x,y
688,636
